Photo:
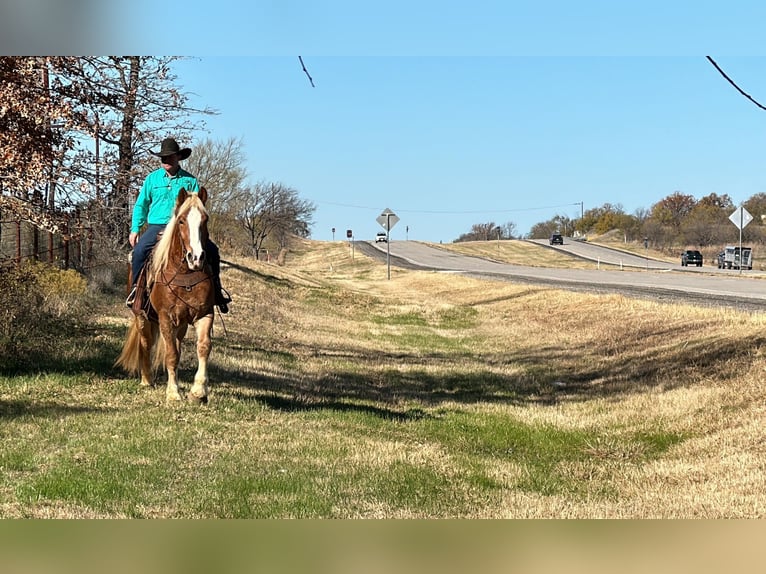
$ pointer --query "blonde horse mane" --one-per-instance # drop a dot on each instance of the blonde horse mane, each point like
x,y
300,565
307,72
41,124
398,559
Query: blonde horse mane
x,y
162,249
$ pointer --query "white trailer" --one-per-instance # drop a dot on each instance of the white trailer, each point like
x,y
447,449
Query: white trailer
x,y
730,258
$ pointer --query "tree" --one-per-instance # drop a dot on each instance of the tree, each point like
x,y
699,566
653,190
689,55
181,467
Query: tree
x,y
33,117
484,232
273,210
28,107
219,166
756,206
544,229
508,230
125,105
706,224
672,209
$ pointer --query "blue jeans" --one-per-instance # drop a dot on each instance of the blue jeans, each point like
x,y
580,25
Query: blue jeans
x,y
146,242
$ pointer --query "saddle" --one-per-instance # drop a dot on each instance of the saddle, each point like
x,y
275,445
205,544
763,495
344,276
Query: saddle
x,y
143,306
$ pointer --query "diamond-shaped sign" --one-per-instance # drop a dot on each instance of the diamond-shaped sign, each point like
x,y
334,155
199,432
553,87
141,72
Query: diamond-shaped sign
x,y
387,219
741,217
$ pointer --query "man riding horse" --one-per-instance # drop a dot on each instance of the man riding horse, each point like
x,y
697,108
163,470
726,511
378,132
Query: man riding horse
x,y
154,206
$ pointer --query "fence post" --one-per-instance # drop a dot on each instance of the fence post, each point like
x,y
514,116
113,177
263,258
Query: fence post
x,y
66,244
18,242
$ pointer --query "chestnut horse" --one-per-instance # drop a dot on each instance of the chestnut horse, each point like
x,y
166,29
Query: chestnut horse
x,y
181,295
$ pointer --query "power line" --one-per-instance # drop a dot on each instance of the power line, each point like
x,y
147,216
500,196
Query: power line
x,y
460,212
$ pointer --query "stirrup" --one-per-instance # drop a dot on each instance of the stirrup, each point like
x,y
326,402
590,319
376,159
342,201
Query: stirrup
x,y
131,298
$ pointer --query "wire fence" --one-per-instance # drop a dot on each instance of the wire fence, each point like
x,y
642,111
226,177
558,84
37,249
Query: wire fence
x,y
22,241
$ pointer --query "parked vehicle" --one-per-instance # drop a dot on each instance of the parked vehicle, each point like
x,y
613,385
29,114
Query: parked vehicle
x,y
691,257
730,258
557,239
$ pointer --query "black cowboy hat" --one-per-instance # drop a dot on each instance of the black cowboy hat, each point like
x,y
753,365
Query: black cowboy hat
x,y
170,146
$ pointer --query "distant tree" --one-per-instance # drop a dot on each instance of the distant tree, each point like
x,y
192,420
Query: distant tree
x,y
714,200
706,223
756,206
704,226
480,232
508,230
273,210
671,210
220,167
543,229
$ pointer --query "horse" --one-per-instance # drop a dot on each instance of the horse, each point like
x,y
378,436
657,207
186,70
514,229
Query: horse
x,y
181,295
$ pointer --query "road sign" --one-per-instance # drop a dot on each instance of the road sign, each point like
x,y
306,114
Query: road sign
x,y
387,219
741,217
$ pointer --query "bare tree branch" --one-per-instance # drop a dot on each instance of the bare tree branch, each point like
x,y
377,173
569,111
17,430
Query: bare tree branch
x,y
717,67
306,71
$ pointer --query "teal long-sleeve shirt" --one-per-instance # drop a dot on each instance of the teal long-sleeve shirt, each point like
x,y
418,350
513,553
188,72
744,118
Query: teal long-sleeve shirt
x,y
157,198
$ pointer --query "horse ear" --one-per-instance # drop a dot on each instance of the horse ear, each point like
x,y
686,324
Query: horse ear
x,y
181,197
202,194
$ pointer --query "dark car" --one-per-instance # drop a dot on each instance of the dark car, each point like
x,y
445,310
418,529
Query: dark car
x,y
691,257
557,239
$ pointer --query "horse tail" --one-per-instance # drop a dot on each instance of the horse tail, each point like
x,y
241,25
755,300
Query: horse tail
x,y
158,360
129,358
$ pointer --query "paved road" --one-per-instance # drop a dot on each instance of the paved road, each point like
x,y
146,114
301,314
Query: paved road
x,y
707,285
602,254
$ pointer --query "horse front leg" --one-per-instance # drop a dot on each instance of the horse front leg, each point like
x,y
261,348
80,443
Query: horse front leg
x,y
199,390
172,355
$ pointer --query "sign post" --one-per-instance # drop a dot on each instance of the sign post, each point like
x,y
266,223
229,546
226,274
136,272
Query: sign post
x,y
741,217
387,220
350,236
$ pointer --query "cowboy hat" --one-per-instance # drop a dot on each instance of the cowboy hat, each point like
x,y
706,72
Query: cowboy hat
x,y
170,146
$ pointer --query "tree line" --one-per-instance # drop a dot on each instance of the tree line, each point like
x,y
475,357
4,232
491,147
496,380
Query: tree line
x,y
678,219
75,133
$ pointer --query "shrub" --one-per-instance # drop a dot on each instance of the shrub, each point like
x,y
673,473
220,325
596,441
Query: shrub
x,y
37,301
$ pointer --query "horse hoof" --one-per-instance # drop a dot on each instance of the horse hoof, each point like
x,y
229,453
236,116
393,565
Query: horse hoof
x,y
197,400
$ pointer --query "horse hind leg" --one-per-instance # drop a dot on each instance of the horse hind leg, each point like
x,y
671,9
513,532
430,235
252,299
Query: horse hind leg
x,y
146,344
199,391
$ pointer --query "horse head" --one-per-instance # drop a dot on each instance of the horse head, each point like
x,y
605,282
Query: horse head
x,y
191,225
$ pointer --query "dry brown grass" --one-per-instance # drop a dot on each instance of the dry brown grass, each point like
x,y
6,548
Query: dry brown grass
x,y
577,361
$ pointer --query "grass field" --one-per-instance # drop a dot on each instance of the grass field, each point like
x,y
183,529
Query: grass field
x,y
336,393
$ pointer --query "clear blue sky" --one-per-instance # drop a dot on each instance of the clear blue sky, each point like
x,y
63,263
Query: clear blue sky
x,y
446,142
453,112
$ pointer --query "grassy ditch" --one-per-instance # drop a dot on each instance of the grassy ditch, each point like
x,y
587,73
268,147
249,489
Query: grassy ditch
x,y
339,394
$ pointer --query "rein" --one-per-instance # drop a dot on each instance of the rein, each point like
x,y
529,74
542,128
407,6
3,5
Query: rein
x,y
183,278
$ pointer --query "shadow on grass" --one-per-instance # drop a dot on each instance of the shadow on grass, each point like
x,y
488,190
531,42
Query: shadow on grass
x,y
547,375
266,278
85,350
302,403
47,409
